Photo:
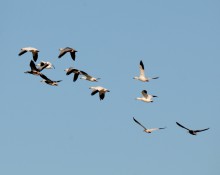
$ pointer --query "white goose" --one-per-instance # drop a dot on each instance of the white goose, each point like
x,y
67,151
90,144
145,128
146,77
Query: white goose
x,y
50,65
34,70
72,52
142,76
89,77
75,71
30,49
145,129
146,97
101,91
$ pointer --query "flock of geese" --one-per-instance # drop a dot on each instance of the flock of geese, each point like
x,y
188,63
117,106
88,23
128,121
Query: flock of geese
x,y
37,68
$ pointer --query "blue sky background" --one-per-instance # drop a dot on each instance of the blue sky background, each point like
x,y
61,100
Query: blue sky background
x,y
64,130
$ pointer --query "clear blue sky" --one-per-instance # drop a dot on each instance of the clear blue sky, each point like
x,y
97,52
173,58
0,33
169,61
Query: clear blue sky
x,y
64,130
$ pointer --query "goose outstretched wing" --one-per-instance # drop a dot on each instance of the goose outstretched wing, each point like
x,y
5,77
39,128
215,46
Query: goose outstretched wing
x,y
182,126
141,67
139,123
144,93
45,78
33,66
64,51
22,52
201,130
35,56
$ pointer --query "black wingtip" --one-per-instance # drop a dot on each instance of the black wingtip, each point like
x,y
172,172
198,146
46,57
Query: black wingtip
x,y
84,73
155,78
73,55
102,96
94,92
178,124
144,91
142,64
163,128
134,119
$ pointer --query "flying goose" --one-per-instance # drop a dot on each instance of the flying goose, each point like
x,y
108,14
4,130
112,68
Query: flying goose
x,y
63,51
48,81
89,77
101,91
146,97
50,65
193,132
75,71
145,129
30,49
34,70
142,76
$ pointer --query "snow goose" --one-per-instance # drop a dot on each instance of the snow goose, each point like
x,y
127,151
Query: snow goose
x,y
30,49
146,97
101,91
193,132
75,71
142,76
50,65
89,77
48,81
34,70
63,51
145,129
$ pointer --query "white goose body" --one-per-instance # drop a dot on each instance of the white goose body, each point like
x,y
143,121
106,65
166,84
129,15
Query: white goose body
x,y
142,76
146,97
89,77
101,91
145,129
30,49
